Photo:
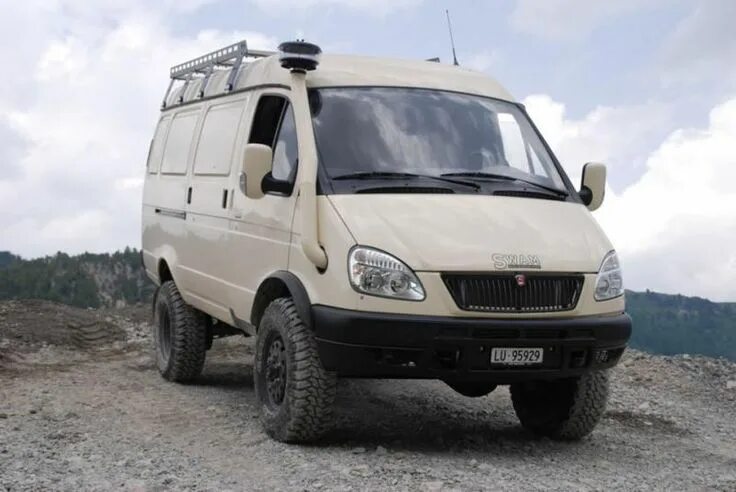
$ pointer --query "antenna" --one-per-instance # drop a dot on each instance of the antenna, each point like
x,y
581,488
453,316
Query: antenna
x,y
452,40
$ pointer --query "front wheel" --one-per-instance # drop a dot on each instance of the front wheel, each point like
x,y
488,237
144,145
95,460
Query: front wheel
x,y
293,389
565,409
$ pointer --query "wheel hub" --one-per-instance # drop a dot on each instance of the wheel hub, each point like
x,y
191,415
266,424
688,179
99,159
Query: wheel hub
x,y
276,371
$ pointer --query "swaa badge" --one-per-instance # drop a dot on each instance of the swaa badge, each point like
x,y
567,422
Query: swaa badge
x,y
505,261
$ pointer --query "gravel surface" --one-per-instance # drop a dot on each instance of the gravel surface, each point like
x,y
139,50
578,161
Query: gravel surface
x,y
83,407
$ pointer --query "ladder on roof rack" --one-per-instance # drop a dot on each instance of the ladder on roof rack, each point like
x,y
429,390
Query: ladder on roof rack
x,y
230,56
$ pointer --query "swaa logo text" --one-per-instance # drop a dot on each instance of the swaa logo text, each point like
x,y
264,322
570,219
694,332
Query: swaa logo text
x,y
504,262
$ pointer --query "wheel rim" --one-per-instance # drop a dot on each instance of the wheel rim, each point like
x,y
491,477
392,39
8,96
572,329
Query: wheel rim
x,y
164,333
275,371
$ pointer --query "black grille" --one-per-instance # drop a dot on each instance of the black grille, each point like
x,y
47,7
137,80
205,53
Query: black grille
x,y
502,293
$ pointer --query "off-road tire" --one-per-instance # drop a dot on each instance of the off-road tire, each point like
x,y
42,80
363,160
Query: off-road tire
x,y
565,409
304,411
181,358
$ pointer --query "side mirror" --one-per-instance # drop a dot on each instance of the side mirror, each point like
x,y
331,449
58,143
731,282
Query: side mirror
x,y
593,185
257,164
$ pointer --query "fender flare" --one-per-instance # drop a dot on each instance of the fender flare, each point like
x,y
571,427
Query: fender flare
x,y
280,284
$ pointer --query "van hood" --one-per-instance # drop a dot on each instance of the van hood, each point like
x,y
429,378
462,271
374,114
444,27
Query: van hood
x,y
476,233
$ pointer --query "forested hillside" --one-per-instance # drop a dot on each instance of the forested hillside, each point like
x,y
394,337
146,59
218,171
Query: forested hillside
x,y
86,280
663,323
675,324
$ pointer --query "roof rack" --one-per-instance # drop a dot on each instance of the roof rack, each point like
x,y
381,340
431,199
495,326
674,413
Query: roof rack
x,y
230,56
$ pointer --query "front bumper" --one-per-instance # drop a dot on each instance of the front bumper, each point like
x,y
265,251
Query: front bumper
x,y
365,344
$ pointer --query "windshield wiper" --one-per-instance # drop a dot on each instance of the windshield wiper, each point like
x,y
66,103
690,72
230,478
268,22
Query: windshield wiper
x,y
504,177
401,175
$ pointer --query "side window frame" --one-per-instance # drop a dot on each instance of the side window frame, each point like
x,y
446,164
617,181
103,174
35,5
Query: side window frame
x,y
271,185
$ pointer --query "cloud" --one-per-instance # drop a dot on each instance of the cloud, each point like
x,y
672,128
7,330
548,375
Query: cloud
x,y
569,19
375,7
84,131
675,226
620,136
702,46
481,61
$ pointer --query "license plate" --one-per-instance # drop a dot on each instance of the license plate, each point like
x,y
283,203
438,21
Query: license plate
x,y
503,356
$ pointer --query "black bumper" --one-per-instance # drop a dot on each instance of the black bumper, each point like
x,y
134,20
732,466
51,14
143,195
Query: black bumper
x,y
362,344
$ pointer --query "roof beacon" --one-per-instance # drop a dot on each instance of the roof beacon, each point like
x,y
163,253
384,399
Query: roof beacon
x,y
299,55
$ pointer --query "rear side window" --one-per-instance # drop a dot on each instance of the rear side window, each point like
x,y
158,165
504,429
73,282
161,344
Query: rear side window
x,y
217,140
176,151
157,145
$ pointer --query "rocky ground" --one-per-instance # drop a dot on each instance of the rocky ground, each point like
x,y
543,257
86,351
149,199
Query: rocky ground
x,y
82,407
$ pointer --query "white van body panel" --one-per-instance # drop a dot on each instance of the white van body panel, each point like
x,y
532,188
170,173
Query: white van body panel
x,y
463,232
332,288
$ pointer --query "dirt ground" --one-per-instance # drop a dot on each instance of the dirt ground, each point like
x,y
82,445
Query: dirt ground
x,y
82,407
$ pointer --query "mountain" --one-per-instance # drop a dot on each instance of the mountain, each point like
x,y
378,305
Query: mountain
x,y
663,323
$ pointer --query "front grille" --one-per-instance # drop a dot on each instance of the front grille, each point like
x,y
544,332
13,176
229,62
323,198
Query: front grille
x,y
502,294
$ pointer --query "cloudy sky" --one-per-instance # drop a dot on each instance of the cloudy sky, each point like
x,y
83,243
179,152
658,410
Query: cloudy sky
x,y
646,86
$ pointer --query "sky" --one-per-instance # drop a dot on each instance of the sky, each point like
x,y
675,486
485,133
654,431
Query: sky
x,y
646,86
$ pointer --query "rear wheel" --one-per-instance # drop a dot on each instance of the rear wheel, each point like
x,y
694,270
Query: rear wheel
x,y
565,409
180,335
293,389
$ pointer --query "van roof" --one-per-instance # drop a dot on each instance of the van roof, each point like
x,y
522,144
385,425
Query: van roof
x,y
349,70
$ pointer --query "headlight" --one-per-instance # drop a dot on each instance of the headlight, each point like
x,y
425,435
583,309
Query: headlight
x,y
376,273
609,283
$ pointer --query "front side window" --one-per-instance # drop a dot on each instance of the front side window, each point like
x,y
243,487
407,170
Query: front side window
x,y
380,131
285,149
273,125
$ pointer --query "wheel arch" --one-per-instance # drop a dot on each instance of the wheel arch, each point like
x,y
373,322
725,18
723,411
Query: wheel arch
x,y
281,284
164,271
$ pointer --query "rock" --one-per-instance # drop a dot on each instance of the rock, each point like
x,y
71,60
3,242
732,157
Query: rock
x,y
730,384
3,415
381,451
433,486
644,406
358,450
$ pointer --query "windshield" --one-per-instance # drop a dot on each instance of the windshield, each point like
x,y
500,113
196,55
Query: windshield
x,y
427,132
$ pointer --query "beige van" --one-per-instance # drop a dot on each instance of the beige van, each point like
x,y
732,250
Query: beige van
x,y
366,217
